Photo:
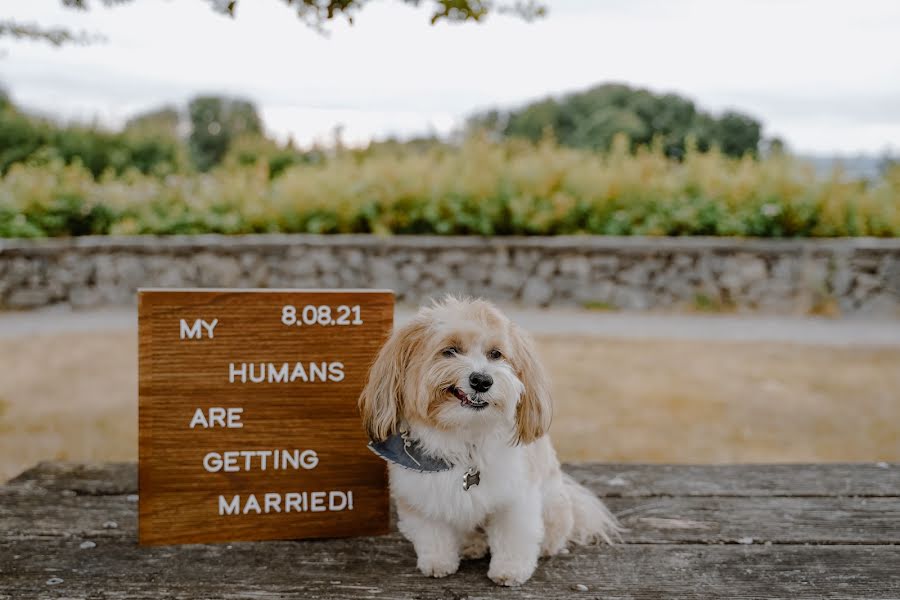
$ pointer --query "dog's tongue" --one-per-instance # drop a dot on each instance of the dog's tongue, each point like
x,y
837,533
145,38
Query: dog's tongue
x,y
463,397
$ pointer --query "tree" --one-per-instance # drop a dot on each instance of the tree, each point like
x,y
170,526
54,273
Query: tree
x,y
215,123
738,134
314,13
20,137
592,119
155,140
159,121
27,138
53,35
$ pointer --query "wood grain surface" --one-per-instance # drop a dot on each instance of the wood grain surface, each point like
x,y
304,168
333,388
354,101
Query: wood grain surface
x,y
794,532
295,383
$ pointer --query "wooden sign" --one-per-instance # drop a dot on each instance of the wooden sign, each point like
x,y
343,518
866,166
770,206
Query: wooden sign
x,y
248,420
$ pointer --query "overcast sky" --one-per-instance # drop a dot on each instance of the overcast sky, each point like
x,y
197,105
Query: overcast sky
x,y
822,74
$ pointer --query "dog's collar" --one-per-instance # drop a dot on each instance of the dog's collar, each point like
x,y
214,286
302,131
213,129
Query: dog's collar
x,y
407,453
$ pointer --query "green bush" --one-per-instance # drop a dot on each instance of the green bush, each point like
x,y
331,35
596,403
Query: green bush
x,y
479,188
24,138
259,151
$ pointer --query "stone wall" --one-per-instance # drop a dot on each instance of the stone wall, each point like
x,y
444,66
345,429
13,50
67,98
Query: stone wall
x,y
850,276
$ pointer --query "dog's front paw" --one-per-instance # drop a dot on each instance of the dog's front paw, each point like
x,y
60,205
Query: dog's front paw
x,y
510,572
438,566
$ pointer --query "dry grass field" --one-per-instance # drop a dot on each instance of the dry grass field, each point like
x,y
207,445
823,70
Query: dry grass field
x,y
74,397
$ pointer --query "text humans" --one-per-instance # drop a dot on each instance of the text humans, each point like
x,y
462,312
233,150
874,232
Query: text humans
x,y
285,372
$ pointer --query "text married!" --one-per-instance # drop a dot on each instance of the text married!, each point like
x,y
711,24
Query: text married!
x,y
274,502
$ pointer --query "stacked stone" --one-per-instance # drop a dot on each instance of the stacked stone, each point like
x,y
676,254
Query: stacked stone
x,y
850,276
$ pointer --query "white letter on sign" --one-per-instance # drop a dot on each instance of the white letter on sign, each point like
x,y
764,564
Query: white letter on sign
x,y
199,419
195,331
209,326
229,508
318,502
337,501
235,373
212,462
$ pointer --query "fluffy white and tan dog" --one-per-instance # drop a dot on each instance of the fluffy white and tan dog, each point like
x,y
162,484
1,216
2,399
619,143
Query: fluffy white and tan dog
x,y
459,404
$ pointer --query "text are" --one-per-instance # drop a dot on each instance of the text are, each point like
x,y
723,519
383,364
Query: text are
x,y
218,417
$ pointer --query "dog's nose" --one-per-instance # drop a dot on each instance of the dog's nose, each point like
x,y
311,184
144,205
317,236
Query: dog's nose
x,y
481,382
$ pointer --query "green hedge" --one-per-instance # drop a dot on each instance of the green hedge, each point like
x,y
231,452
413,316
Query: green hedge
x,y
483,188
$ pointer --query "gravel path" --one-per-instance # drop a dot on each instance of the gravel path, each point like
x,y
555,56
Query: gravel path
x,y
801,330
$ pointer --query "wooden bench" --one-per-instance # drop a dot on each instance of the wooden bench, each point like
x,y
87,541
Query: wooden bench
x,y
769,531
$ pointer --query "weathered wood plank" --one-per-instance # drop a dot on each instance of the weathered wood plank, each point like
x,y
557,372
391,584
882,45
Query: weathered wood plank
x,y
385,568
609,480
863,479
815,520
89,478
690,537
39,512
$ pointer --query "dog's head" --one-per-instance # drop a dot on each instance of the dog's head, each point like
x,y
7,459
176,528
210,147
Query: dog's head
x,y
459,366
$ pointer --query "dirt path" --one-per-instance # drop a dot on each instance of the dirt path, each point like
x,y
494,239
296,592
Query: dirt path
x,y
74,396
748,328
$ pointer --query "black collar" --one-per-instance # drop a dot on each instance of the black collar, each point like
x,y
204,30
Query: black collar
x,y
407,453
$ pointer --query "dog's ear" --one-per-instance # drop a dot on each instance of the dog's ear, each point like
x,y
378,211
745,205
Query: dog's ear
x,y
381,402
535,408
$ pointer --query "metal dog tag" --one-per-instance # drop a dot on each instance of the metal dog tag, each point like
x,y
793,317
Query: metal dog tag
x,y
471,478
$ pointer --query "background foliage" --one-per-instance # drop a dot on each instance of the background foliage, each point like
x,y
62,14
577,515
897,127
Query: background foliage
x,y
592,118
612,160
215,123
314,13
480,187
24,138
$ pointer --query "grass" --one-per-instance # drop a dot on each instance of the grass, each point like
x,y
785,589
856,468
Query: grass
x,y
599,306
641,401
705,402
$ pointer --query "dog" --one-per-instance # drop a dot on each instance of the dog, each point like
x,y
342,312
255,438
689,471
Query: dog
x,y
459,404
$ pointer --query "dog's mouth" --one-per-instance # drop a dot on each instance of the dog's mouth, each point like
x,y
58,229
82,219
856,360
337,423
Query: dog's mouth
x,y
473,402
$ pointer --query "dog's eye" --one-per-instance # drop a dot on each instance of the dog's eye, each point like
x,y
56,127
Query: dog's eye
x,y
450,351
495,354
